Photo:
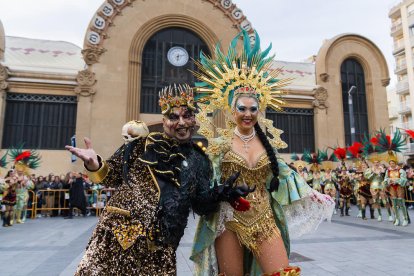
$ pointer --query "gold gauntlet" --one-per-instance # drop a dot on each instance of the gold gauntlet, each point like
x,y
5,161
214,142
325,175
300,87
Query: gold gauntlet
x,y
99,175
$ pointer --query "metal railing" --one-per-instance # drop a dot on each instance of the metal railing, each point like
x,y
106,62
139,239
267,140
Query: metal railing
x,y
46,202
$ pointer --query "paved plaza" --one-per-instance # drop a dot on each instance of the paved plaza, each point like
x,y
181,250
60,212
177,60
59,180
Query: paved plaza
x,y
347,246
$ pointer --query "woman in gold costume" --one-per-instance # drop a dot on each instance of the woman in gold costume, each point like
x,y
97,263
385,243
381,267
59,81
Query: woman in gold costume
x,y
256,241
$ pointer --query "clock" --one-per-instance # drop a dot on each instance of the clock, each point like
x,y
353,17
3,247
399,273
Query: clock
x,y
177,56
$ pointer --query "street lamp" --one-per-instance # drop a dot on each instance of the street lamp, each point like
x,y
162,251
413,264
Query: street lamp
x,y
351,113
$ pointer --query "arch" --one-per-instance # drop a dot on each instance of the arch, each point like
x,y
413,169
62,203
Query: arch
x,y
110,9
329,46
139,40
327,66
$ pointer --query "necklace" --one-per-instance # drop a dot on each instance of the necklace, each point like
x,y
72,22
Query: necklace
x,y
245,138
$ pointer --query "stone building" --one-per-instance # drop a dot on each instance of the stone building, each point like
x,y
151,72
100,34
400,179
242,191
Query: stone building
x,y
133,48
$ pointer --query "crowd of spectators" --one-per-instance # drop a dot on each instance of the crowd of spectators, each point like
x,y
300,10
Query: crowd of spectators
x,y
53,195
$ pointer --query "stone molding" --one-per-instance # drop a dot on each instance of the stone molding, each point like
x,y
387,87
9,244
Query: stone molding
x,y
3,78
321,95
86,81
91,55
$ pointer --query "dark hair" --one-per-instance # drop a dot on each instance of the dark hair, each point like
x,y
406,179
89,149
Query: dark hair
x,y
274,183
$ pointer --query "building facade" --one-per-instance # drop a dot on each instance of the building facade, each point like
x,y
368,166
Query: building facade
x,y
126,59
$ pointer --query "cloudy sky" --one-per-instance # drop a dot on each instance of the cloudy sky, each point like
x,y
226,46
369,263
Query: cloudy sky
x,y
296,28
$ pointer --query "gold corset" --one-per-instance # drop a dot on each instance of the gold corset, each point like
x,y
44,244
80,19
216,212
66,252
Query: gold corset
x,y
394,174
257,224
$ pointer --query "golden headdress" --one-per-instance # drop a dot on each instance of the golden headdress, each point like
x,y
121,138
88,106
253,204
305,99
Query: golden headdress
x,y
225,77
391,146
176,96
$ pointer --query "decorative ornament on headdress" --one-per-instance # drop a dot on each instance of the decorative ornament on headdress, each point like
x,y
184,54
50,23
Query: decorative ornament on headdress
x,y
25,160
340,154
356,153
226,77
175,96
371,148
248,72
391,146
315,159
297,161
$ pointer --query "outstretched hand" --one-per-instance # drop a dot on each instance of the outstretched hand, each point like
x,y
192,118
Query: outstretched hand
x,y
88,155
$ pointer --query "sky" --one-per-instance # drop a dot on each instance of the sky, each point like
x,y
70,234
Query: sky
x,y
296,28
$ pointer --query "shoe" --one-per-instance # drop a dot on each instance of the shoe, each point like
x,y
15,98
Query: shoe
x,y
397,222
359,214
334,211
405,222
390,218
38,216
411,207
379,218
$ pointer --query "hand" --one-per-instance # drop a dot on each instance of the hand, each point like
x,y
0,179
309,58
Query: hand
x,y
229,191
88,155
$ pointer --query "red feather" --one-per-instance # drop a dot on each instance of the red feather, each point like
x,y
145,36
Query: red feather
x,y
410,133
23,155
340,153
355,149
388,139
374,141
241,204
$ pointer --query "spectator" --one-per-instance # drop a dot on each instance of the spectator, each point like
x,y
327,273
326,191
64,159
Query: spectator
x,y
56,184
77,195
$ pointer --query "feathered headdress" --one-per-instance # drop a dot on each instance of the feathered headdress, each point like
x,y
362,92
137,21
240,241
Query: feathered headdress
x,y
370,148
246,72
356,153
24,160
297,161
314,158
391,146
340,154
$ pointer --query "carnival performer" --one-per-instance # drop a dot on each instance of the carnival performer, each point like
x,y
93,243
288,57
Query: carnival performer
x,y
395,177
375,176
300,166
9,198
363,190
344,180
24,161
315,160
158,177
329,181
241,86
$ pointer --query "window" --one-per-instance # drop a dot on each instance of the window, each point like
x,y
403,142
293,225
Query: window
x,y
158,72
298,127
39,121
352,74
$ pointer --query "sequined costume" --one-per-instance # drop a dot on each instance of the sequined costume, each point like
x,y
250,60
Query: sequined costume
x,y
396,180
363,192
377,188
158,180
345,193
329,180
291,207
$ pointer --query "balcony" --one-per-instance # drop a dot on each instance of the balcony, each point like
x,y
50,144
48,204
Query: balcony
x,y
403,87
398,47
401,68
392,112
404,108
409,150
396,28
395,10
406,125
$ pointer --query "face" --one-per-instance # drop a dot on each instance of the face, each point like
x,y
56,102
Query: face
x,y
245,113
392,164
179,124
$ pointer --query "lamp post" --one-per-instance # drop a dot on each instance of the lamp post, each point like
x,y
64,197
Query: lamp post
x,y
351,113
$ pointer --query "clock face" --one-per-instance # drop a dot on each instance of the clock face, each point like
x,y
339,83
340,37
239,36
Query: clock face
x,y
177,56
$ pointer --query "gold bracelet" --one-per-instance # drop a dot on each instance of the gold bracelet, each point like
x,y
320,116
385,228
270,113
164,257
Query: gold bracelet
x,y
99,175
116,210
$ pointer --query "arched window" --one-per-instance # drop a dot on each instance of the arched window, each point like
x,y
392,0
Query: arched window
x,y
352,74
167,58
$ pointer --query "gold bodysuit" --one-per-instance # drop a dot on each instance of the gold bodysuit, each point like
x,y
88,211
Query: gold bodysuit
x,y
257,224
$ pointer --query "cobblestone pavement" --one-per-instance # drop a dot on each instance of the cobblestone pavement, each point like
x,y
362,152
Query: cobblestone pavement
x,y
347,246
